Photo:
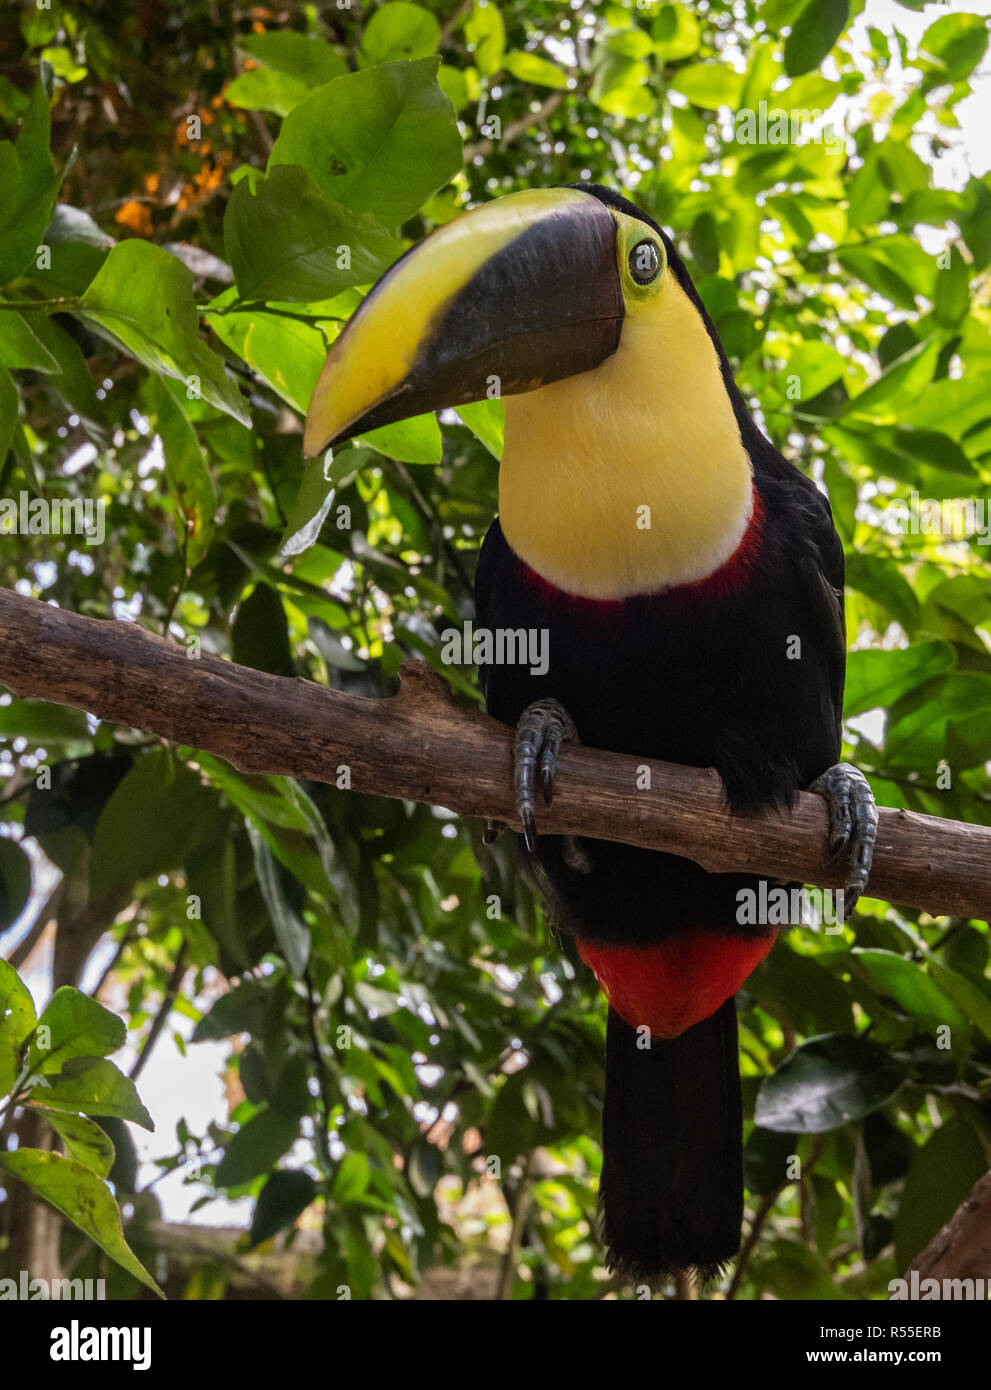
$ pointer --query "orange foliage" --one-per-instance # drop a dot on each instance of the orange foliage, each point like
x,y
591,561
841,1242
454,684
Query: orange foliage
x,y
135,216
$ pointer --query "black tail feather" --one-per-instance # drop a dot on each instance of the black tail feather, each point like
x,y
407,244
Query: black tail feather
x,y
672,1174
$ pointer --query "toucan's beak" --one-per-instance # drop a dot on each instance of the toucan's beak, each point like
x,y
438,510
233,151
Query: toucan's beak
x,y
513,295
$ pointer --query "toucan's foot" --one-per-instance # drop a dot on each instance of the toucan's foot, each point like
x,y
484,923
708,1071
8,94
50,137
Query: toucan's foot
x,y
542,728
852,824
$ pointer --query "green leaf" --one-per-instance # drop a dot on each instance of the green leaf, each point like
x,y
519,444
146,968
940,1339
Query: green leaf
x,y
424,1168
84,1141
264,89
39,26
917,728
487,422
316,497
23,452
790,1271
965,951
148,823
876,678
904,379
29,183
284,1197
709,85
826,1083
380,1000
930,447
531,67
63,63
882,580
263,799
973,1003
454,85
256,1147
379,141
311,61
143,297
911,988
765,1160
675,32
869,198
291,932
353,1177
260,632
71,380
20,346
952,290
486,36
17,1019
896,268
797,990
288,354
763,70
79,249
331,648
813,34
959,41
417,440
287,242
241,1010
15,883
816,365
953,404
77,1026
970,999
889,1150
313,501
9,407
188,478
82,1197
398,30
621,81
940,1178
41,722
95,1086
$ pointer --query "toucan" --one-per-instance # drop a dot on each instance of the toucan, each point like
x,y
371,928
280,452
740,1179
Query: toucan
x,y
690,583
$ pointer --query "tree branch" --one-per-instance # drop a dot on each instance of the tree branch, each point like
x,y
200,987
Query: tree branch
x,y
526,122
421,746
962,1248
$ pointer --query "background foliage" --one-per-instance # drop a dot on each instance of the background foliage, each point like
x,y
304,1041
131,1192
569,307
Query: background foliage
x,y
385,978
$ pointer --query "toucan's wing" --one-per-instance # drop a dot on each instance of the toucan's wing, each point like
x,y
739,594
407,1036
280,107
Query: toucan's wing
x,y
821,568
817,559
820,573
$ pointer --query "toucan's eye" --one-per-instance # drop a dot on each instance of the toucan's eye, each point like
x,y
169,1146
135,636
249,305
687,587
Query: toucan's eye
x,y
645,263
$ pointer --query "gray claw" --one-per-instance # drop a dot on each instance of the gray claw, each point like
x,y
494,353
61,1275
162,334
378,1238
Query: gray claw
x,y
852,824
529,829
542,728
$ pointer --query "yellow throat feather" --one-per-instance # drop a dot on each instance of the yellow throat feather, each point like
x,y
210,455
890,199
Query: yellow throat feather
x,y
630,478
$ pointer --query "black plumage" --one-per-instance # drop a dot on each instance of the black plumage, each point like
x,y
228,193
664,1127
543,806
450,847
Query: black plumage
x,y
705,675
